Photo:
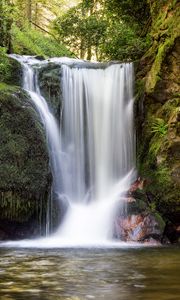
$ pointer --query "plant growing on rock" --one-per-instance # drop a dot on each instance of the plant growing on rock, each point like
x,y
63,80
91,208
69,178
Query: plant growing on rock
x,y
160,127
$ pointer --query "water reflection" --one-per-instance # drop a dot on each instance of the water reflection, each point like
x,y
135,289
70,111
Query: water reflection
x,y
89,274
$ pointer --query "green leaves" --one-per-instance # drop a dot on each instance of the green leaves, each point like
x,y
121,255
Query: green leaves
x,y
82,28
33,42
4,65
105,29
160,127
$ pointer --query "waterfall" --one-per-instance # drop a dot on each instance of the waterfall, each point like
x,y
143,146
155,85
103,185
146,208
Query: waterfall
x,y
97,140
92,152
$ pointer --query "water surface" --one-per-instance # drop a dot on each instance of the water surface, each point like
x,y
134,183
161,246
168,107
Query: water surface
x,y
75,274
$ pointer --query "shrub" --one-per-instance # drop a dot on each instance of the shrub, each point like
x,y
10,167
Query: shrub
x,y
4,65
33,42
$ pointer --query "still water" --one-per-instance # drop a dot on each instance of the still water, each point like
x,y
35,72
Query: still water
x,y
75,274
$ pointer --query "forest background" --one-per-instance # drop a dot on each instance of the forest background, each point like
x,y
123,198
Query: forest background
x,y
88,29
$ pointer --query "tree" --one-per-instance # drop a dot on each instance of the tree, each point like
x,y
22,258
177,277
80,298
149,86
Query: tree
x,y
6,9
82,28
104,29
131,11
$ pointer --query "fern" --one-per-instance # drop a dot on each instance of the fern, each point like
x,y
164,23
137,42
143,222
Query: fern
x,y
33,42
160,127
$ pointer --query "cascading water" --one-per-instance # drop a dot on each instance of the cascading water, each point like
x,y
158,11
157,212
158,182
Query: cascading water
x,y
97,140
92,154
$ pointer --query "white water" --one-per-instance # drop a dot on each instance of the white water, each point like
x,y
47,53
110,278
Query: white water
x,y
92,154
30,84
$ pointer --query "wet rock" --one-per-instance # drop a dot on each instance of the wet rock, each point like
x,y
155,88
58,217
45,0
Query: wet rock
x,y
139,228
25,177
3,235
40,57
138,221
13,230
50,86
158,94
16,72
138,184
172,232
152,242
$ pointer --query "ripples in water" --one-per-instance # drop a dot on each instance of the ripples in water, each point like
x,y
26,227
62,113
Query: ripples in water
x,y
77,274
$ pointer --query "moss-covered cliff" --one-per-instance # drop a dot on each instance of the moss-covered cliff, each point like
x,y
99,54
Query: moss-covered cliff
x,y
49,77
158,106
24,166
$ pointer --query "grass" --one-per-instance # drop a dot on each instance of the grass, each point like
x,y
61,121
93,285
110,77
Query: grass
x,y
33,42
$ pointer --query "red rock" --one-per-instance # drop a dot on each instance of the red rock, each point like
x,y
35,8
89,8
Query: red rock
x,y
137,228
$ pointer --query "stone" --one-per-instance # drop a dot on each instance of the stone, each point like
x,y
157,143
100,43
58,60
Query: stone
x,y
25,177
138,228
158,96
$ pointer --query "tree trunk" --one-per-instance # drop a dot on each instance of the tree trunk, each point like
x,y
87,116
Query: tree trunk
x,y
29,11
89,52
82,49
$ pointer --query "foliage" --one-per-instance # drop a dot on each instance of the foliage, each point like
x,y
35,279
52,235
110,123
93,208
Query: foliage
x,y
123,43
131,11
163,175
82,28
4,65
102,30
6,10
165,29
24,28
33,42
159,126
159,129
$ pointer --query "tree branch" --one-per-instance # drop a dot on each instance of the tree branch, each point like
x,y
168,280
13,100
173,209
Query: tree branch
x,y
36,25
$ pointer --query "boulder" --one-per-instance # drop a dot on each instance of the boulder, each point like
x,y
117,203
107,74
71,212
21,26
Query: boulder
x,y
25,177
139,228
49,79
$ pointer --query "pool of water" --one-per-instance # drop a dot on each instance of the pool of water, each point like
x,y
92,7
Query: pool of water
x,y
75,274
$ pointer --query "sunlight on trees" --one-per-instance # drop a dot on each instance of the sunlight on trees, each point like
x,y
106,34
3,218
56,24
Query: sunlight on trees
x,y
91,29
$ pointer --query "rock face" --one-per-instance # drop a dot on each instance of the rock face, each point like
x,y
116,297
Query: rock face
x,y
49,80
138,228
158,113
25,177
139,221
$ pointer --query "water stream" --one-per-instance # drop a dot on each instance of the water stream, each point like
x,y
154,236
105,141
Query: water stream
x,y
92,152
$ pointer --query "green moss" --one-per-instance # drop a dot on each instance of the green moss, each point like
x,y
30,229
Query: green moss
x,y
159,142
165,30
154,146
4,65
160,221
139,89
170,107
24,163
3,86
49,76
155,73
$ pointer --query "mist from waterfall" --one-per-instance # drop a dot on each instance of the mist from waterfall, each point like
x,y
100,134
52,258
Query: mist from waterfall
x,y
92,152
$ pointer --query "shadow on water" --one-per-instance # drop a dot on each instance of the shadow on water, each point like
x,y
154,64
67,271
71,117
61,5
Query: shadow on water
x,y
75,274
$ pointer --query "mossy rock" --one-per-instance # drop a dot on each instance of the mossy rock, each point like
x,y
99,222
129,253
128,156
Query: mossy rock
x,y
158,113
50,86
164,32
16,72
25,177
136,207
